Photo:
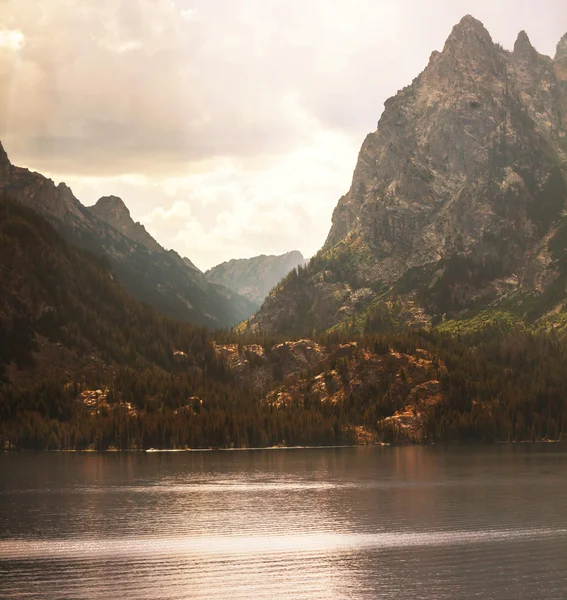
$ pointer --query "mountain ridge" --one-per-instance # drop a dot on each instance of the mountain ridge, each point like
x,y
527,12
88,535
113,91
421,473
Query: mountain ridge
x,y
159,277
83,365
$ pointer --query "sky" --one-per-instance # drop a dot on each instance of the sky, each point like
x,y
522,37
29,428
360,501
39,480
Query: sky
x,y
230,128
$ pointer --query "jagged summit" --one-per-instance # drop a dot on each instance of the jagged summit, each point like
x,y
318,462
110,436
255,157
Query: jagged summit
x,y
468,31
523,46
291,255
468,22
561,48
468,52
189,263
111,203
112,210
161,279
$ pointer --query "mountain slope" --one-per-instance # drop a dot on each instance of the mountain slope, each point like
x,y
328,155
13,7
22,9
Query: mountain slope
x,y
158,277
58,299
255,277
456,197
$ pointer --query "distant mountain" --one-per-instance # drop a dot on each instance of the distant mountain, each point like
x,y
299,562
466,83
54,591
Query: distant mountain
x,y
84,364
253,278
456,215
160,278
189,264
113,211
457,203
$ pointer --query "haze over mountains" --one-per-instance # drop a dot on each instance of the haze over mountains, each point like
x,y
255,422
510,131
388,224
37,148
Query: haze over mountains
x,y
113,211
457,200
158,277
255,277
224,296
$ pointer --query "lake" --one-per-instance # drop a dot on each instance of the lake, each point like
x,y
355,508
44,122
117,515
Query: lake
x,y
357,523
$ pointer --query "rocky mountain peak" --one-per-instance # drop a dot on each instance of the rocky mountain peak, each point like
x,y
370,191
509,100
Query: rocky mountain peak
x,y
38,192
111,205
466,33
468,56
523,47
189,263
561,48
156,277
254,277
454,197
65,193
112,210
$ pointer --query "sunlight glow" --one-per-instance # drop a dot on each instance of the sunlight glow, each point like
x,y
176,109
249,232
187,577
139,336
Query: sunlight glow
x,y
12,39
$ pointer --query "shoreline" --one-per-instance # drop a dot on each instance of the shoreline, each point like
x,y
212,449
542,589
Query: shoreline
x,y
276,448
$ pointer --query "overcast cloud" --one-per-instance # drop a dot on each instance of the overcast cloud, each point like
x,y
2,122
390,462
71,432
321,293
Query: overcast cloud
x,y
230,128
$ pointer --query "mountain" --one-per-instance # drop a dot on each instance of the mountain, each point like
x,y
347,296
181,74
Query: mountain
x,y
61,307
457,199
456,214
113,211
160,278
253,278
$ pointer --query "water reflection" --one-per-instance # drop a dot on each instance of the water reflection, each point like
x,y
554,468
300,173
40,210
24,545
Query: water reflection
x,y
344,523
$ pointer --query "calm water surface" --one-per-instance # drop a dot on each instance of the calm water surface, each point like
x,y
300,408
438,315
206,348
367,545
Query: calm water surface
x,y
395,523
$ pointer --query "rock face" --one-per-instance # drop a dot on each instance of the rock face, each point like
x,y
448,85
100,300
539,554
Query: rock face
x,y
299,371
261,367
456,195
189,264
253,278
160,278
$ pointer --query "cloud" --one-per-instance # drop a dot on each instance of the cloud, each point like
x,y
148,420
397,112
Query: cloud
x,y
245,116
234,209
154,85
141,88
12,39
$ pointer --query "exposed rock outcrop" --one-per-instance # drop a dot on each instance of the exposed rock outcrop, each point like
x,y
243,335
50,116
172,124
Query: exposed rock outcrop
x,y
561,52
4,160
404,388
261,367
